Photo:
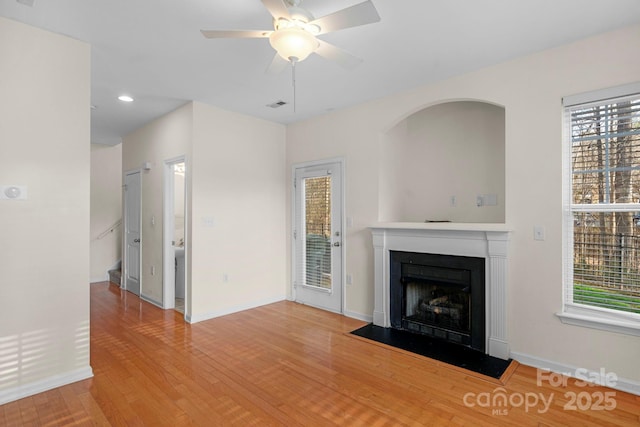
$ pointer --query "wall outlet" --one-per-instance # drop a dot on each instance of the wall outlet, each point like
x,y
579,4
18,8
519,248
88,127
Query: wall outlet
x,y
538,232
490,199
153,270
453,201
225,278
486,200
349,279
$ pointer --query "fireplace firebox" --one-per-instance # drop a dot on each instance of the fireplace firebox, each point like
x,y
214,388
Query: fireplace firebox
x,y
442,296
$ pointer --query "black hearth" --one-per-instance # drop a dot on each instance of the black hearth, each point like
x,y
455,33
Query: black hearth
x,y
441,296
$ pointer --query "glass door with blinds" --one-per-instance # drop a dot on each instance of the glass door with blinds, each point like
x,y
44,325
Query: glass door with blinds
x,y
317,236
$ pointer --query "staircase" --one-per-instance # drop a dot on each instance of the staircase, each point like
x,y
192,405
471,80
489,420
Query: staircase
x,y
115,274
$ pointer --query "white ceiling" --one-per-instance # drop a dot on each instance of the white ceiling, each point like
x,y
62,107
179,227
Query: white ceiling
x,y
153,50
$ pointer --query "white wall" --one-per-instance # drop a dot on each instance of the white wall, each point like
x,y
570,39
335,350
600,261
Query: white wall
x,y
238,203
106,209
235,206
531,90
163,139
454,149
44,256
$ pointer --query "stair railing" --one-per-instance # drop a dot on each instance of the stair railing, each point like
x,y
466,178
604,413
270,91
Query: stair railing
x,y
109,230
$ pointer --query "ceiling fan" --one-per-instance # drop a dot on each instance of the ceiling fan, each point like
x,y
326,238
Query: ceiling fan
x,y
295,30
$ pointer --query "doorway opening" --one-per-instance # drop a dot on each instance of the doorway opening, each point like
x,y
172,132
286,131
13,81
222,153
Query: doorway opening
x,y
174,236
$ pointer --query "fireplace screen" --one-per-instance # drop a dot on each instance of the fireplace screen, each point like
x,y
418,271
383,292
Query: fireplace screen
x,y
441,305
438,295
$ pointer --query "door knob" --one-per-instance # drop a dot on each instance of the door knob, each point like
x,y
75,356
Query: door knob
x,y
136,240
336,244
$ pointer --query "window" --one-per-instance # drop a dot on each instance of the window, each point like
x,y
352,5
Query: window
x,y
602,210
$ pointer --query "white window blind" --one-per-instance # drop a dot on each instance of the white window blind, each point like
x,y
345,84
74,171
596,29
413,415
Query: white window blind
x,y
317,226
602,202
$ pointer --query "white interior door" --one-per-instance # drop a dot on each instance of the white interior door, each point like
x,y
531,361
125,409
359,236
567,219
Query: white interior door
x,y
132,232
317,236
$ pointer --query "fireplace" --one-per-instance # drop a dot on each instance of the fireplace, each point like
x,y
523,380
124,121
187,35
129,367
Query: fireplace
x,y
441,296
482,324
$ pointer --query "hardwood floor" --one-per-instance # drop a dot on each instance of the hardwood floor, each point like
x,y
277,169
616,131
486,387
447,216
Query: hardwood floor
x,y
285,364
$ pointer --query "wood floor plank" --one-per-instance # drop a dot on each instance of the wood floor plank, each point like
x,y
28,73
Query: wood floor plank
x,y
12,416
283,364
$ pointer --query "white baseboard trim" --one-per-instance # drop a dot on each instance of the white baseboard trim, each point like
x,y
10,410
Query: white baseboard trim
x,y
151,301
230,310
99,279
622,384
359,316
498,348
354,315
55,381
379,319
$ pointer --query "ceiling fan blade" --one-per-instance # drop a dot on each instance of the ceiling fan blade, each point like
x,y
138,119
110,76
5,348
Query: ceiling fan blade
x,y
278,64
340,56
359,14
235,34
277,8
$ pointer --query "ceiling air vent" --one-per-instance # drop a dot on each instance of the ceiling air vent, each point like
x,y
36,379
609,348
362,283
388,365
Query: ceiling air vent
x,y
277,104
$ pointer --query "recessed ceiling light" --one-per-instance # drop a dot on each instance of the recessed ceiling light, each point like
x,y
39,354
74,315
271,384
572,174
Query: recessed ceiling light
x,y
125,98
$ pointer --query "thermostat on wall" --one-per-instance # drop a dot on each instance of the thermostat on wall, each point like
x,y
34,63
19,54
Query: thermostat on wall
x,y
13,192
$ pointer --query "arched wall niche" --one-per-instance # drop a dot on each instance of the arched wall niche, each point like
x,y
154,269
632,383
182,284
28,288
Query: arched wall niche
x,y
435,162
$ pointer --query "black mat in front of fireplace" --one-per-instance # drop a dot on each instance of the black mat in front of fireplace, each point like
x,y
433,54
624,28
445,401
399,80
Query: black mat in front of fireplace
x,y
453,354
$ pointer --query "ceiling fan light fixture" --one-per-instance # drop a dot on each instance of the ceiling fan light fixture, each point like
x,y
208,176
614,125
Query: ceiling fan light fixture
x,y
312,28
293,44
282,23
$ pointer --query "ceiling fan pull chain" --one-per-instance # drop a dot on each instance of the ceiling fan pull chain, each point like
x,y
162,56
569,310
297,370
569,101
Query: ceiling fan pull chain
x,y
293,81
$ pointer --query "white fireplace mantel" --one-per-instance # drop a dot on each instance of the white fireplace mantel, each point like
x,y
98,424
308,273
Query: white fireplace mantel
x,y
488,241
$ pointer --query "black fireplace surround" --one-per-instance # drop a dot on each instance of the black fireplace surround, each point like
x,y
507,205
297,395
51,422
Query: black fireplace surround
x,y
441,296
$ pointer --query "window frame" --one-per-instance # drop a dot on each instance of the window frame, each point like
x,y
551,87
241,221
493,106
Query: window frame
x,y
575,313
